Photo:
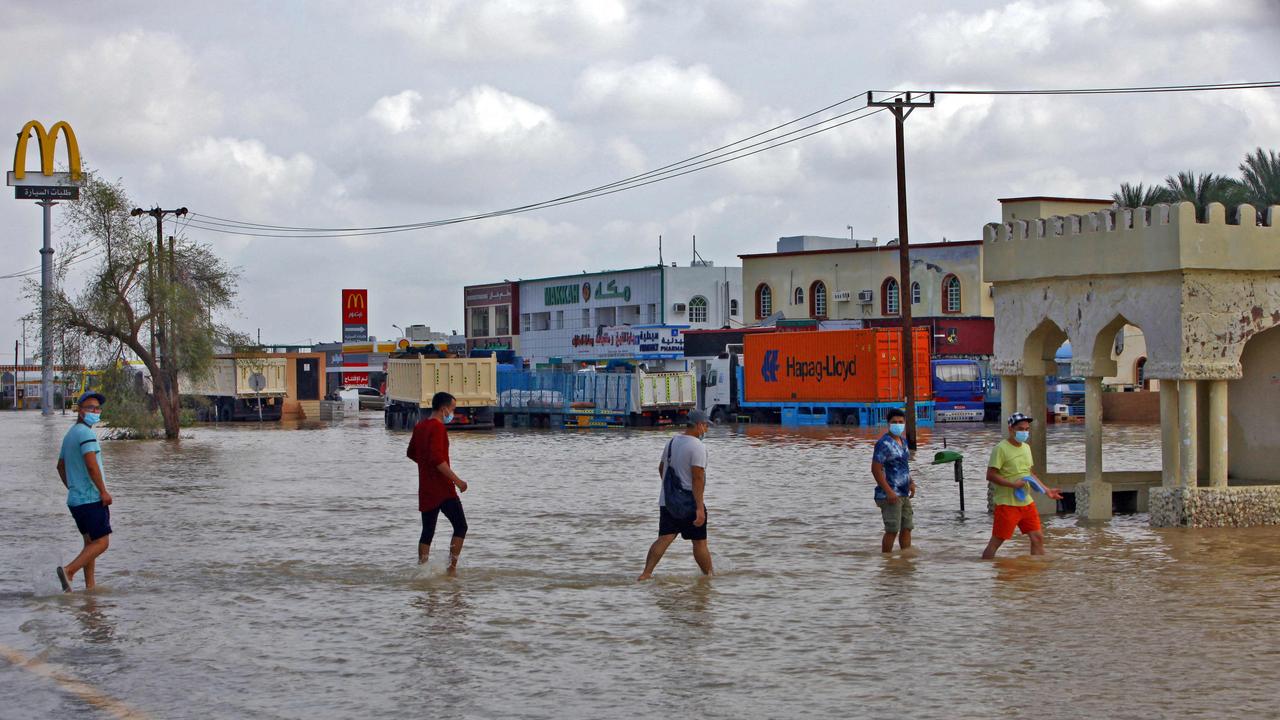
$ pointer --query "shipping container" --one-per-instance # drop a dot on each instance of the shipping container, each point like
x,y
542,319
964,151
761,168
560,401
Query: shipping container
x,y
413,381
836,366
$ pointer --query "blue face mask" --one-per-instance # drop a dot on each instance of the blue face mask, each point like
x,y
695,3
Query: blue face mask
x,y
897,428
1022,435
92,419
448,418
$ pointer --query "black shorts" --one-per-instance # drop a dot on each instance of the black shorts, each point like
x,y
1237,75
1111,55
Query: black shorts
x,y
452,509
92,519
668,525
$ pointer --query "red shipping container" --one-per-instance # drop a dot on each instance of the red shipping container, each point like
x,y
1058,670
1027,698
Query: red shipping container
x,y
833,366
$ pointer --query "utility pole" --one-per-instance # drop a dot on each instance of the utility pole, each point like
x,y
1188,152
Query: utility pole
x,y
902,106
168,371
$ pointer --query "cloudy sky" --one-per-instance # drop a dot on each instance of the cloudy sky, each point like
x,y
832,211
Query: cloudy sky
x,y
358,114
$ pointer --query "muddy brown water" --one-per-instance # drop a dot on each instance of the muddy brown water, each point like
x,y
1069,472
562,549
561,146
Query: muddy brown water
x,y
268,572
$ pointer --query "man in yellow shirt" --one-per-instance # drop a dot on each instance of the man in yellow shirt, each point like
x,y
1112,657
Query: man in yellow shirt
x,y
1009,470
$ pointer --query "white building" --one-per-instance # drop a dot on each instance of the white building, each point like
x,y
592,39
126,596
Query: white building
x,y
634,314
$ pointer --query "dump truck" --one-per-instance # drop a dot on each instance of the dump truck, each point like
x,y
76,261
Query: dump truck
x,y
239,388
413,379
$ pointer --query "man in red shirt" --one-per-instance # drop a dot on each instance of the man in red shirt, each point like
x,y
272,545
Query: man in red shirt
x,y
429,447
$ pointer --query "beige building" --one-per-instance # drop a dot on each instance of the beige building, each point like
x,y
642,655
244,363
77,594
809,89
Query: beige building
x,y
860,281
1206,296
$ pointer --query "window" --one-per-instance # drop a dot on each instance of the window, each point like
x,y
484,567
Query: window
x,y
502,320
764,302
818,299
559,319
586,318
733,308
480,322
949,373
607,316
951,294
889,297
915,293
697,309
651,313
525,322
1140,373
799,297
542,321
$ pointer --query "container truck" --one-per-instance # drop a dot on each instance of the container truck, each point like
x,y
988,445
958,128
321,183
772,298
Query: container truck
x,y
622,397
815,378
239,388
413,379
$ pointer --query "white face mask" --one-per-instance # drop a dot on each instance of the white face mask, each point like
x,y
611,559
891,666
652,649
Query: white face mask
x,y
448,418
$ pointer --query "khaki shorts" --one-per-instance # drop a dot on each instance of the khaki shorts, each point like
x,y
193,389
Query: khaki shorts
x,y
897,516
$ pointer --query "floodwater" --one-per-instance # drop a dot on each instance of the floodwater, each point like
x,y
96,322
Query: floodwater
x,y
269,572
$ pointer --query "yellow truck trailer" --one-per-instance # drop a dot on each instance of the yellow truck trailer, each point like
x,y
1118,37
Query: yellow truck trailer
x,y
240,388
412,382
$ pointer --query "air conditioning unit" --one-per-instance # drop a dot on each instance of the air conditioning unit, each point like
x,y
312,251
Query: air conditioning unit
x,y
842,296
679,307
866,297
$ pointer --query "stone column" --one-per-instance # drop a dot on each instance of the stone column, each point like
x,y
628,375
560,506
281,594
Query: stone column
x,y
1218,433
1187,435
1035,407
1096,493
1169,433
1008,398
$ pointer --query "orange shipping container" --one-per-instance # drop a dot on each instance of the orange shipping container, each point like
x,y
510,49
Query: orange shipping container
x,y
833,366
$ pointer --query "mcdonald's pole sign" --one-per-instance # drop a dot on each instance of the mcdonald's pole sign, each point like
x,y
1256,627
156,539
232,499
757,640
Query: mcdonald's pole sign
x,y
48,185
355,316
46,189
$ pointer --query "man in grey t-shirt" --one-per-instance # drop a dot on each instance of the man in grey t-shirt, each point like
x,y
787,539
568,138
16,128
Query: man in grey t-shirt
x,y
689,462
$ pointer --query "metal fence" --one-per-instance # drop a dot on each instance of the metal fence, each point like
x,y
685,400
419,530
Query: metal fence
x,y
544,391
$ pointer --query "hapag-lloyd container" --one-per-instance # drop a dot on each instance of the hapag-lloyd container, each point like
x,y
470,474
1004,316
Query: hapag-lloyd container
x,y
832,366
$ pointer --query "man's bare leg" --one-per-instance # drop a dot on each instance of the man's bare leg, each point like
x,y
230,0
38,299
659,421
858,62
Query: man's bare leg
x,y
904,539
88,569
992,547
424,551
88,554
1037,542
886,542
656,551
702,554
455,549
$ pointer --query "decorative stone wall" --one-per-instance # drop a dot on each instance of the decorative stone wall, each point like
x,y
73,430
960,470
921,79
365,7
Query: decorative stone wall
x,y
1215,507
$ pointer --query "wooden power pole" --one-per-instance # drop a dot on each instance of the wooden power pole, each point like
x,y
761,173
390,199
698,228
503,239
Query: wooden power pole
x,y
901,105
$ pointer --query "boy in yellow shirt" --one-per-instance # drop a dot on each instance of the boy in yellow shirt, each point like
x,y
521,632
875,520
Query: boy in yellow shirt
x,y
1009,470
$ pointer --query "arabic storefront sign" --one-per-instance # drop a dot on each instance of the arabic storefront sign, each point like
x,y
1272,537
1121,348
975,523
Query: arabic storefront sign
x,y
488,294
585,293
646,342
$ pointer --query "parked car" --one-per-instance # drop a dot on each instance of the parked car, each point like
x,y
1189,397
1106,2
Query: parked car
x,y
370,398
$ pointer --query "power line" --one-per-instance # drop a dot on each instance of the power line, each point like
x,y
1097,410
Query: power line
x,y
1141,89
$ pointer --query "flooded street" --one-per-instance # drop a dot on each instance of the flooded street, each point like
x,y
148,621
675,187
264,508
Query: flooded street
x,y
269,572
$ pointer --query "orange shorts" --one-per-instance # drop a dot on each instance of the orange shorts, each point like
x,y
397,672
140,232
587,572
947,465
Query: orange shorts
x,y
1007,517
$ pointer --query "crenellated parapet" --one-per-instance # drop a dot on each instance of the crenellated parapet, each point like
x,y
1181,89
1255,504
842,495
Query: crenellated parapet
x,y
1162,238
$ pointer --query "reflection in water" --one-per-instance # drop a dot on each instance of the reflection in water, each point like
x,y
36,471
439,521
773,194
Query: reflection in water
x,y
268,572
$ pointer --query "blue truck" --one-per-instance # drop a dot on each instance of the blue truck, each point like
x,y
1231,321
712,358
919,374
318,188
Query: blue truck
x,y
959,390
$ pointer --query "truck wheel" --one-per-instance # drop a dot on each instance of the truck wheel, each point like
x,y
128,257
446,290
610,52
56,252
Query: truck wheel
x,y
717,415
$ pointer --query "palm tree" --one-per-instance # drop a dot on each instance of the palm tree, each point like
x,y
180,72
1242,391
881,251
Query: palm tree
x,y
1260,180
1205,188
1135,196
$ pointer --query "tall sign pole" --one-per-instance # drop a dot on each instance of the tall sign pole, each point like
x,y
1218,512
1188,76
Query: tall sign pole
x,y
902,105
45,188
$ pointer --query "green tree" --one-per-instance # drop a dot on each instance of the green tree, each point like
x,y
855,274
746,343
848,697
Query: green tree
x,y
1202,189
160,306
1260,180
1135,196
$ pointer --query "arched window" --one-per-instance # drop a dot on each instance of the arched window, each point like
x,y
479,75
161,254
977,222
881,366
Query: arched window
x,y
697,309
798,299
818,299
1140,374
733,307
951,294
764,301
915,293
889,297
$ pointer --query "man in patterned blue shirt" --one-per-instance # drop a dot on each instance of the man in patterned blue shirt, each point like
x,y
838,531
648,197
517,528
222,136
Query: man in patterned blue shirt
x,y
80,467
894,486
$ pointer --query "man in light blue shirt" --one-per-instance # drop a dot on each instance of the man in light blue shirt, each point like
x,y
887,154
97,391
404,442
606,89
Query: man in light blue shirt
x,y
80,468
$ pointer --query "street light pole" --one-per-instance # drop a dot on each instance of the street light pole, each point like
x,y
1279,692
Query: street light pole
x,y
901,106
46,287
